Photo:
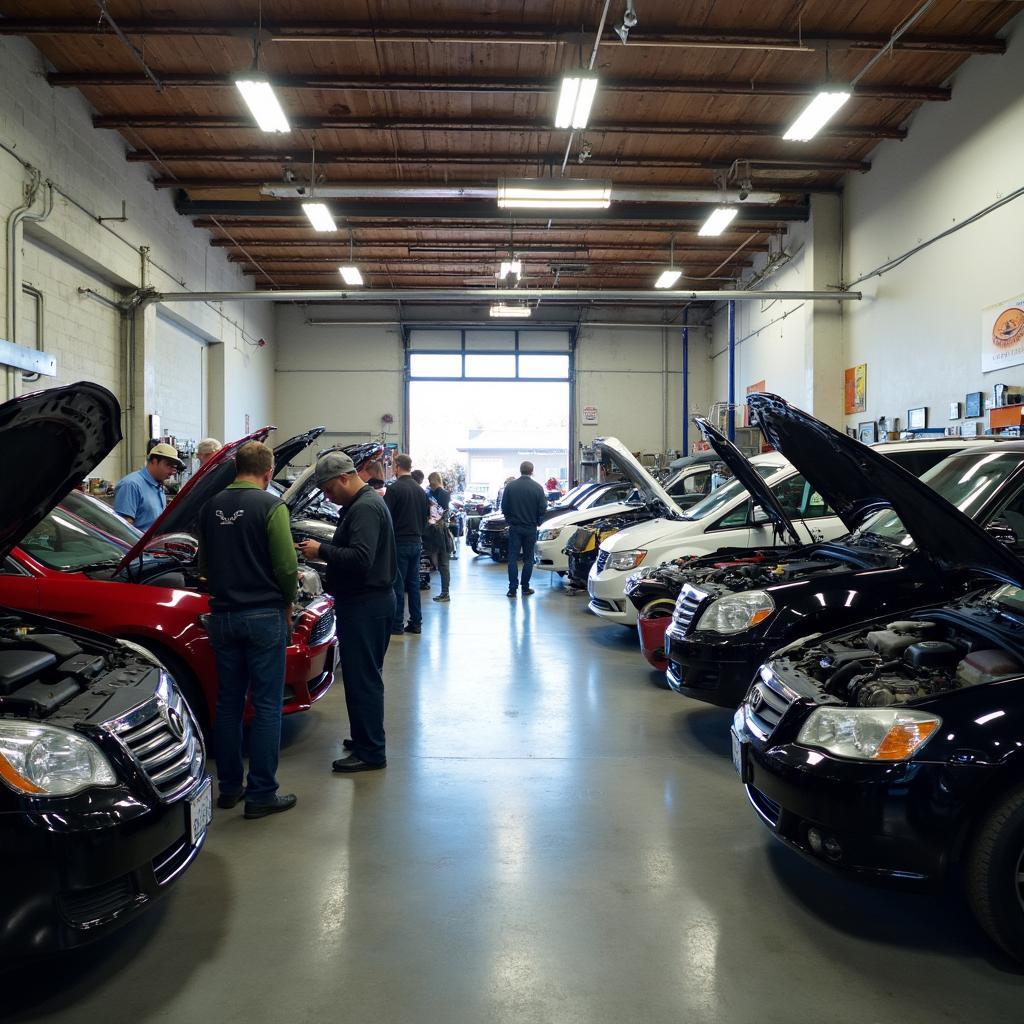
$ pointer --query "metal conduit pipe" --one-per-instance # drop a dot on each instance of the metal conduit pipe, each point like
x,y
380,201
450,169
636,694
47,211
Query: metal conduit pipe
x,y
40,324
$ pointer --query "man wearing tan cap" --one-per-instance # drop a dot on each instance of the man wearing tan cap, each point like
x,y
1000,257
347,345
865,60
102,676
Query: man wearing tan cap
x,y
139,497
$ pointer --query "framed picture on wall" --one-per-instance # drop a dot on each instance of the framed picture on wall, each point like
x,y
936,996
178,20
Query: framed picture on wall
x,y
867,432
954,410
973,404
855,389
917,419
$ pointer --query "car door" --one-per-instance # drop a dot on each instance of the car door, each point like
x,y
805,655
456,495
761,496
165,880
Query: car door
x,y
18,587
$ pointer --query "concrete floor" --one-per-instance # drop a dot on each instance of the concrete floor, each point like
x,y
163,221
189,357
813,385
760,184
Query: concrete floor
x,y
555,840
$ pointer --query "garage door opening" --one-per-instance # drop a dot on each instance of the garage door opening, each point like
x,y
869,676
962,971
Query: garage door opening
x,y
485,403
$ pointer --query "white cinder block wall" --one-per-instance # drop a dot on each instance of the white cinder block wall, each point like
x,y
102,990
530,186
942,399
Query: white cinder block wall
x,y
348,377
51,129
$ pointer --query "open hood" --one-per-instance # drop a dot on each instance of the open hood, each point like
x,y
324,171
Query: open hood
x,y
845,471
288,450
613,451
748,476
183,511
304,485
49,442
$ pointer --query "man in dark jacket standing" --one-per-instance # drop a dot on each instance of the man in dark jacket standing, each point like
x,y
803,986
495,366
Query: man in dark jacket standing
x,y
410,509
523,504
361,568
247,555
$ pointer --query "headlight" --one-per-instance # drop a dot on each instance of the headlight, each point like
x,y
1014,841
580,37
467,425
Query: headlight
x,y
549,534
626,560
736,613
868,734
46,761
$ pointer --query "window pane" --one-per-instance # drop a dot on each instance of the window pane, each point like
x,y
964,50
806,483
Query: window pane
x,y
544,366
434,365
490,366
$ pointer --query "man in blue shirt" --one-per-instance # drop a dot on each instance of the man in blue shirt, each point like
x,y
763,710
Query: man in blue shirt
x,y
139,497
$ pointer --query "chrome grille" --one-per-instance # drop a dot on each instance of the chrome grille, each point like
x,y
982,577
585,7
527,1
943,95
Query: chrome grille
x,y
765,704
323,629
165,744
602,561
687,603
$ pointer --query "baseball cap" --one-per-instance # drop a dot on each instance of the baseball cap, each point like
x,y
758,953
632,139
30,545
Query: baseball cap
x,y
331,465
165,451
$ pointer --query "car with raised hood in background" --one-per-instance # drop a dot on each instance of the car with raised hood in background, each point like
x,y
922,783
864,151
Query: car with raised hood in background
x,y
730,609
104,795
85,565
893,750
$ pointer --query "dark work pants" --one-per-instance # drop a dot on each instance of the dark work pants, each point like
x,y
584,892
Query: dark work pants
x,y
407,581
364,632
523,542
443,568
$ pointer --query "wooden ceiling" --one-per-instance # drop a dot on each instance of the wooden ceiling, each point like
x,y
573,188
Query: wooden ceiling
x,y
397,92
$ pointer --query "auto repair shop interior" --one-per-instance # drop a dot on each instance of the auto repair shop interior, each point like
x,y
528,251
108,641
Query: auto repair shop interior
x,y
740,281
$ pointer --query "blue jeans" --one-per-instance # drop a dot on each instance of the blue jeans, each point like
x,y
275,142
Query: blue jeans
x,y
364,632
520,541
250,649
407,581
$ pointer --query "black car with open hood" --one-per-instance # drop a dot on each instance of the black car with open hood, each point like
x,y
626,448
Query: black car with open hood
x,y
104,796
734,607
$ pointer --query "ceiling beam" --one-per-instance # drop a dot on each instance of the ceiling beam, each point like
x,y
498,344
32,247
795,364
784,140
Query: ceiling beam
x,y
498,247
419,124
376,83
311,264
275,222
335,33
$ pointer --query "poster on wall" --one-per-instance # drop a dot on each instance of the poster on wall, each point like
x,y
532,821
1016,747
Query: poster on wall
x,y
1002,335
589,415
856,389
752,389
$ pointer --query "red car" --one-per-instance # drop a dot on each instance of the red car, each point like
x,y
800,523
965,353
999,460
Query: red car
x,y
85,565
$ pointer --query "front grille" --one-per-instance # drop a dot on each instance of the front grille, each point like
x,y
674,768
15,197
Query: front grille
x,y
767,808
164,742
602,561
765,704
169,864
687,603
99,902
323,629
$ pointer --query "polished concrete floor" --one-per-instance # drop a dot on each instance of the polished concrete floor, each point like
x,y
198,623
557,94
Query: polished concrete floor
x,y
555,840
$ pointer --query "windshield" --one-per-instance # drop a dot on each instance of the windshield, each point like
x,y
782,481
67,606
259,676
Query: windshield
x,y
606,496
1012,597
80,532
570,496
723,495
965,480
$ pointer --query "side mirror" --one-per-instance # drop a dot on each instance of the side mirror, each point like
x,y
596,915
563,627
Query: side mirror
x,y
182,547
759,517
1000,530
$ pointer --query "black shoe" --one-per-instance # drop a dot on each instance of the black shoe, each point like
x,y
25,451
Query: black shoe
x,y
347,765
397,632
347,744
229,800
511,593
413,629
527,591
442,598
278,804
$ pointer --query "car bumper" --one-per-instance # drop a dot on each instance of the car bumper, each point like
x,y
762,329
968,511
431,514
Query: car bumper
x,y
715,674
608,598
309,675
549,556
897,823
68,883
651,630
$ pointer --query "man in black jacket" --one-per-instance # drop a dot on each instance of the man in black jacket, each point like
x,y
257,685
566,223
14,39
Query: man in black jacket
x,y
523,504
361,568
410,509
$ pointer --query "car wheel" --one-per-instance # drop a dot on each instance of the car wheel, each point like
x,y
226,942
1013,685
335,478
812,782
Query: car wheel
x,y
995,873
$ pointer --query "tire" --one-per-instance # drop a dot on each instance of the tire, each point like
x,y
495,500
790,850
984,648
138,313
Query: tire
x,y
995,858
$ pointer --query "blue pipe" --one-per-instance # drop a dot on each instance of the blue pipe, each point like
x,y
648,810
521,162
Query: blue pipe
x,y
731,422
686,383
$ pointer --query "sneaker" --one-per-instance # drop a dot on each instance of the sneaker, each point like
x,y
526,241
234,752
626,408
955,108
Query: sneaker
x,y
511,593
527,591
442,599
416,630
275,806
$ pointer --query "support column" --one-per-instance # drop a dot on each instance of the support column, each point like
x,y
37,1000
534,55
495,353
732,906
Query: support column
x,y
731,421
686,383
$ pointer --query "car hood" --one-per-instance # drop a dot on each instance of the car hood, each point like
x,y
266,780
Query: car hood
x,y
654,531
747,475
295,496
588,515
182,512
49,441
612,449
847,472
288,450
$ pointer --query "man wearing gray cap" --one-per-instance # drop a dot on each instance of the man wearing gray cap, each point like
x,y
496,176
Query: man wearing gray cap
x,y
361,566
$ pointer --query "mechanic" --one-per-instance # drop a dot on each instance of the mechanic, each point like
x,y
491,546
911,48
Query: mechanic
x,y
247,555
139,497
441,535
523,504
410,508
206,449
361,568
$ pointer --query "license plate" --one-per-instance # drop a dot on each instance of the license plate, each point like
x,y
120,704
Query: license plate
x,y
200,812
737,754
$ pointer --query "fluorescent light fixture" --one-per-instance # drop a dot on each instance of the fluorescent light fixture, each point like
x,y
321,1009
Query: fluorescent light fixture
x,y
575,100
718,220
553,194
259,96
508,310
351,275
510,267
818,113
319,216
668,278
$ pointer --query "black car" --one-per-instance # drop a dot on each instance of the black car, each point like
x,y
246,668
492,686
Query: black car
x,y
474,508
104,796
735,607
